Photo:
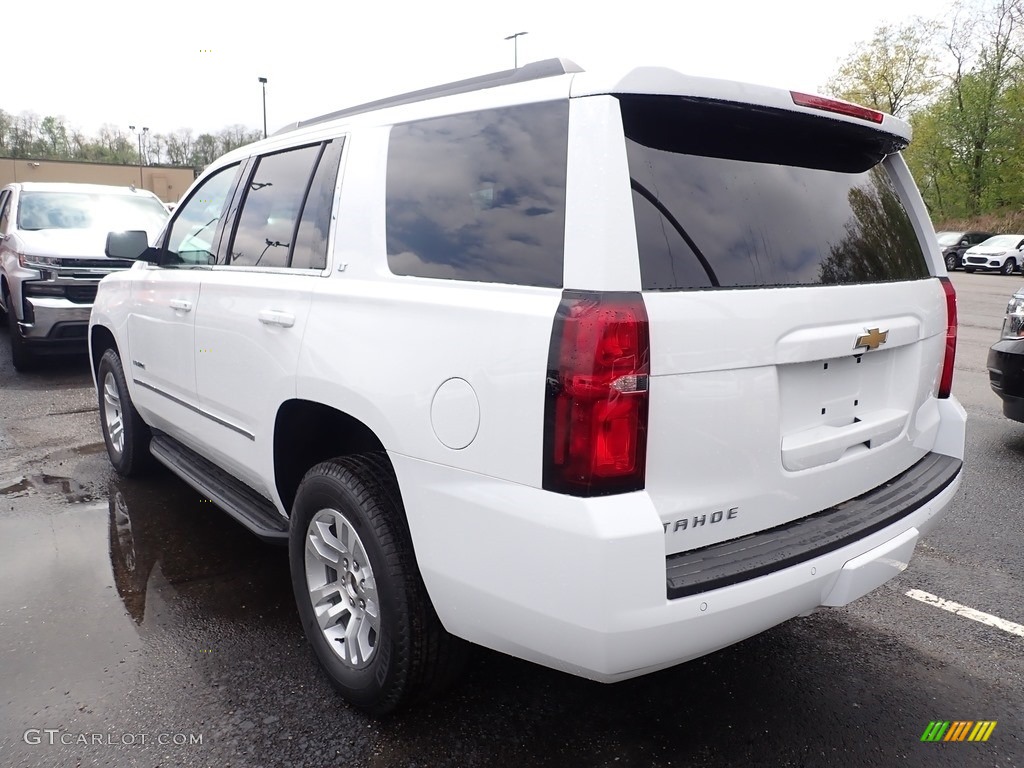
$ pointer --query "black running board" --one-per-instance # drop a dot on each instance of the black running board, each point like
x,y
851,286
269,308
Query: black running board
x,y
248,507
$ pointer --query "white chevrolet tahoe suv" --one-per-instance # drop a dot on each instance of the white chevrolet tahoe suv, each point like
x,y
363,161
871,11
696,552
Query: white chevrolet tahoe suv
x,y
603,372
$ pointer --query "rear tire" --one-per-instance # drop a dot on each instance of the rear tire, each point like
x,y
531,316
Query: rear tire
x,y
125,433
360,595
22,356
1008,267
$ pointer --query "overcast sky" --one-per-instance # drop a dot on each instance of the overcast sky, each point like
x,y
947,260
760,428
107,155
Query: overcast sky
x,y
195,63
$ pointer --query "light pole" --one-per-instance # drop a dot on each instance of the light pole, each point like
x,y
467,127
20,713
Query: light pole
x,y
515,47
263,81
140,134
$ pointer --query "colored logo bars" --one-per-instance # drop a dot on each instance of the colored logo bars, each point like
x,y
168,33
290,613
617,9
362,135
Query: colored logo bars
x,y
958,730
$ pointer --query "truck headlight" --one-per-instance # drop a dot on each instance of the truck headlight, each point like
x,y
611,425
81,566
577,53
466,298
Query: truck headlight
x,y
1013,323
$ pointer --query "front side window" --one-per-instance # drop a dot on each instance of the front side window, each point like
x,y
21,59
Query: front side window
x,y
191,239
480,196
271,208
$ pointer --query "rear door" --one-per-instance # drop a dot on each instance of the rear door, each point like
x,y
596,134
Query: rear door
x,y
797,331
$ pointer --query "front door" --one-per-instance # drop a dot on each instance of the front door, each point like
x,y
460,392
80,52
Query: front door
x,y
161,325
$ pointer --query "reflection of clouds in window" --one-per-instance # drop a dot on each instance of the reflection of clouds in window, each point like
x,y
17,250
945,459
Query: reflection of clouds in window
x,y
271,208
480,196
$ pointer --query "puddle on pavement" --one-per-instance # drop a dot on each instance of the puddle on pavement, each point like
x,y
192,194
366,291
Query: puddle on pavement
x,y
90,449
148,565
163,535
159,530
72,490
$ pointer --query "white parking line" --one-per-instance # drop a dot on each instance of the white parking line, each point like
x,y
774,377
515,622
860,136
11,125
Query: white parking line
x,y
968,613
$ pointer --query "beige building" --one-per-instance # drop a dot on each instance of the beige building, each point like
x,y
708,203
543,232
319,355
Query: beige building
x,y
166,182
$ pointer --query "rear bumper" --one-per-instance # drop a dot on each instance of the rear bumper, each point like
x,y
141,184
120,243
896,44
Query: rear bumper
x,y
802,540
582,585
1006,375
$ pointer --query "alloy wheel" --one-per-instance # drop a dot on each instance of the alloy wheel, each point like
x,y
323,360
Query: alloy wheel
x,y
342,589
112,415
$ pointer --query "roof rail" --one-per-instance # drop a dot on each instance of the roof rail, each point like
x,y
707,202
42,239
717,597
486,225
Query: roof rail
x,y
533,71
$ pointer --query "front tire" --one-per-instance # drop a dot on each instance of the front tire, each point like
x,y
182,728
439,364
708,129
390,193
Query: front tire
x,y
360,596
951,262
125,433
969,270
22,356
1008,267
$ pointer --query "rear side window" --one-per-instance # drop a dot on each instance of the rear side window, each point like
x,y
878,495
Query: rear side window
x,y
727,196
271,208
311,239
480,196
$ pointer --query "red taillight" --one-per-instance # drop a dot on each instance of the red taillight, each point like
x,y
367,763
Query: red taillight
x,y
595,417
946,381
833,105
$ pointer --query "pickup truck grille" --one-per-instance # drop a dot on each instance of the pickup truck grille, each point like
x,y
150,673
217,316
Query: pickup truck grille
x,y
72,264
82,294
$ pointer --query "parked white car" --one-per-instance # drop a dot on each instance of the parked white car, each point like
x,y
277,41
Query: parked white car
x,y
562,364
1000,253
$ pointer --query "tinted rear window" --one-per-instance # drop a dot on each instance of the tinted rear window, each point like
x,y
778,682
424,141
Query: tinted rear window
x,y
480,196
737,197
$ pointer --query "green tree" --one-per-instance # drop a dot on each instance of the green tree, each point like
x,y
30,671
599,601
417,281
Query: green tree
x,y
55,134
205,150
985,50
896,71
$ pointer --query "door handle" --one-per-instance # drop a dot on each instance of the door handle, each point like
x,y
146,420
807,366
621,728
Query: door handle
x,y
181,304
277,317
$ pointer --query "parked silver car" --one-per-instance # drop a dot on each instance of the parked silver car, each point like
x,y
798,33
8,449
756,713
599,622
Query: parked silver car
x,y
51,258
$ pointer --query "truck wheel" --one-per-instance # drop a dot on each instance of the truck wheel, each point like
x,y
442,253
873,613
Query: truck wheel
x,y
360,596
1007,268
127,436
21,355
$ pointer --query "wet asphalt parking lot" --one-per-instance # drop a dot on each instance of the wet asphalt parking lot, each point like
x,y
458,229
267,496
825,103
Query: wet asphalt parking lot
x,y
140,626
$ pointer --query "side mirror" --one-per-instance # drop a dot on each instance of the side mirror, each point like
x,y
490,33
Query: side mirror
x,y
132,245
964,242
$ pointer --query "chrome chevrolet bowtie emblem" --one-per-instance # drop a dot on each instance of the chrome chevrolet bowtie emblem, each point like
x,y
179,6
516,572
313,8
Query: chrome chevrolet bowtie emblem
x,y
872,339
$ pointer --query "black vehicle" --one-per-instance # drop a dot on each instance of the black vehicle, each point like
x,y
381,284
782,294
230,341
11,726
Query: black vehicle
x,y
1006,360
954,244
